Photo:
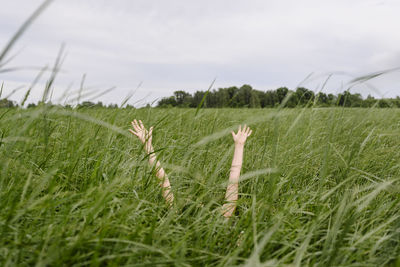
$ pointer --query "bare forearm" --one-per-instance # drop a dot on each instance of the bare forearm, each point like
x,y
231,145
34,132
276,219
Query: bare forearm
x,y
236,163
160,173
145,137
232,190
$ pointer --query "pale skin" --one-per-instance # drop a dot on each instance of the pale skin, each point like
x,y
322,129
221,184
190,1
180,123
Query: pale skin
x,y
232,190
146,137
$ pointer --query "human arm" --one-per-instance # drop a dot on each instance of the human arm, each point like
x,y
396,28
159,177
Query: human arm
x,y
232,189
146,138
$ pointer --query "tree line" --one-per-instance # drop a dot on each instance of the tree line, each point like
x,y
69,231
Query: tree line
x,y
247,97
6,103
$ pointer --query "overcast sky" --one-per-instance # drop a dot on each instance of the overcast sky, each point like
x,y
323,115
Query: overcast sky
x,y
165,46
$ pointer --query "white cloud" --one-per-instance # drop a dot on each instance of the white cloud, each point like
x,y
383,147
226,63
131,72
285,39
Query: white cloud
x,y
171,45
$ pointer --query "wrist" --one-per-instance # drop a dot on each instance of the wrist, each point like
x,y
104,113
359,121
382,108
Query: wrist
x,y
149,148
239,144
233,181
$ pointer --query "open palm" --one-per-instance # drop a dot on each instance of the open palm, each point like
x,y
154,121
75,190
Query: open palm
x,y
242,134
140,131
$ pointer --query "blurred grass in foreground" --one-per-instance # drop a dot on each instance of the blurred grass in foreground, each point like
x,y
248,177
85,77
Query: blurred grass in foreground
x,y
320,187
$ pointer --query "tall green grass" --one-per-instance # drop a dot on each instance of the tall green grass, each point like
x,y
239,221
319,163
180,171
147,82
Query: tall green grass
x,y
320,187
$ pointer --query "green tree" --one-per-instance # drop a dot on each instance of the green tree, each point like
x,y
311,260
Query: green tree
x,y
222,98
233,96
304,96
322,99
332,100
346,99
167,102
31,105
244,95
197,97
182,98
5,103
292,101
271,98
254,100
86,104
281,93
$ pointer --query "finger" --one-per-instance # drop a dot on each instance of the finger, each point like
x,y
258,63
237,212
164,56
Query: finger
x,y
240,128
141,124
244,128
249,133
133,132
135,125
151,131
233,134
247,130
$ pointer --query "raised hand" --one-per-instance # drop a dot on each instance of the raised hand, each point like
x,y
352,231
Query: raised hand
x,y
146,137
232,191
140,131
242,134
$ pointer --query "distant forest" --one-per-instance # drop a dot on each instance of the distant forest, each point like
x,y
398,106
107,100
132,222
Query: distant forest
x,y
246,96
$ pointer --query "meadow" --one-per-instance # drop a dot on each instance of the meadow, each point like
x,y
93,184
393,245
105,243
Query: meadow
x,y
319,187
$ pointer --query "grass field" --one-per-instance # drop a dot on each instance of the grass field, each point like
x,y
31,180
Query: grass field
x,y
320,187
